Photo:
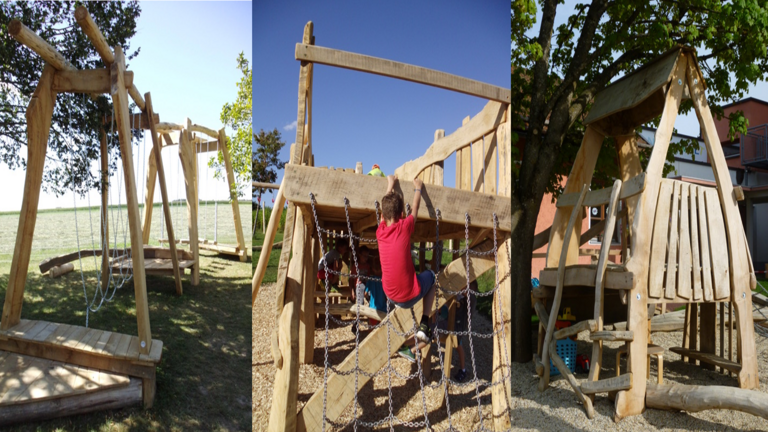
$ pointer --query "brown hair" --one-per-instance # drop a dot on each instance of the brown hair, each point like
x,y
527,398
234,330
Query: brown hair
x,y
392,206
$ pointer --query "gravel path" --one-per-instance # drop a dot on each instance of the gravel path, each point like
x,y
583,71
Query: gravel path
x,y
556,409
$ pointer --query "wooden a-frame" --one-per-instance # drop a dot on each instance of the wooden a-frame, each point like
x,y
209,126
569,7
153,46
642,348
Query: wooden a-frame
x,y
679,234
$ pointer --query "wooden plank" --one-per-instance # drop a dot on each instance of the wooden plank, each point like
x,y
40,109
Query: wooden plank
x,y
584,275
708,358
698,291
672,240
612,336
86,81
588,325
706,258
630,188
740,275
308,283
684,259
718,245
120,101
621,382
661,237
39,113
350,309
121,351
478,167
233,198
328,187
393,69
489,164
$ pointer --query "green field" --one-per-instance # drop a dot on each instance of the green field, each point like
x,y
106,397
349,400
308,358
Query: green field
x,y
203,381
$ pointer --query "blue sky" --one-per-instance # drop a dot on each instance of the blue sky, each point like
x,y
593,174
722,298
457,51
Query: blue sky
x,y
370,118
188,64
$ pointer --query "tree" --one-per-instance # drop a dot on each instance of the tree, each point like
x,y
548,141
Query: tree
x,y
77,119
266,162
556,74
238,116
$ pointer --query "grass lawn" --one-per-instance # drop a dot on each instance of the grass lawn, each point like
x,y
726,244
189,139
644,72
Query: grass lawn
x,y
203,381
258,240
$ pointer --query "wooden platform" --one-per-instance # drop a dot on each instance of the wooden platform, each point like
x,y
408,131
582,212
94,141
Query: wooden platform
x,y
157,261
212,246
33,388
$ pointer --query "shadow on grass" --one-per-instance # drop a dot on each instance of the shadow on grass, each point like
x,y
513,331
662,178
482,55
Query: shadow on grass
x,y
203,380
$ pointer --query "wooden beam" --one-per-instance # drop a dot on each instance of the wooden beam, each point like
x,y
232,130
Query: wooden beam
x,y
31,40
136,96
621,382
164,193
485,121
189,166
94,34
350,309
269,238
222,139
120,102
393,69
693,398
202,129
630,188
329,187
137,120
165,126
39,114
85,81
104,231
149,196
265,185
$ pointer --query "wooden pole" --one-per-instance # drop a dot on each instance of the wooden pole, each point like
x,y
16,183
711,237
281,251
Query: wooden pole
x,y
120,102
243,251
31,40
693,398
164,193
94,34
104,229
39,114
188,158
269,238
149,197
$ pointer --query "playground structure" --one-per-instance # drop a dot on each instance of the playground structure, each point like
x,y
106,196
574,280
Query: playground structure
x,y
681,243
342,204
49,369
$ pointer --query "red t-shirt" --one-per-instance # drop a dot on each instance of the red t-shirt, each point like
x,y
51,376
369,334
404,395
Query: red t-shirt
x,y
397,273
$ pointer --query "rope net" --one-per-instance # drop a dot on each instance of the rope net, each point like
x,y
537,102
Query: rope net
x,y
391,419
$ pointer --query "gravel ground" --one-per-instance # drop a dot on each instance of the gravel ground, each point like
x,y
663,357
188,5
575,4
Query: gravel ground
x,y
556,409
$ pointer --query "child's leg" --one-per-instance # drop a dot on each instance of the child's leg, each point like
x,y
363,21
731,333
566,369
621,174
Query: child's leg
x,y
429,301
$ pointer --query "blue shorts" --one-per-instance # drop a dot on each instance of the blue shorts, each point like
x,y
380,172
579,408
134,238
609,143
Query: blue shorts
x,y
426,280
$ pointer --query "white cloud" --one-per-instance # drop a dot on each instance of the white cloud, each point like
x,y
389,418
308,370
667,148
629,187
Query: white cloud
x,y
290,126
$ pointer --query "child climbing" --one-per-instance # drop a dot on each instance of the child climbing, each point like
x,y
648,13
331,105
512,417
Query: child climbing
x,y
332,261
401,284
364,268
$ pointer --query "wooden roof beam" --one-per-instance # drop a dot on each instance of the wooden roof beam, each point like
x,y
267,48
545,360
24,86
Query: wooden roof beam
x,y
404,71
330,187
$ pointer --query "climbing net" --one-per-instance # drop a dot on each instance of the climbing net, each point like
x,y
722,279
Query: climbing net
x,y
391,419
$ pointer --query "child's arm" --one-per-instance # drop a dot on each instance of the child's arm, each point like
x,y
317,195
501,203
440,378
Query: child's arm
x,y
391,179
417,185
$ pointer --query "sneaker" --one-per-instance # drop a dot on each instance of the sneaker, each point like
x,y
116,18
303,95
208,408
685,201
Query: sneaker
x,y
407,354
460,375
424,333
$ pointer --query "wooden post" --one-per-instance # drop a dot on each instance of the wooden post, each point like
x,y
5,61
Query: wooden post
x,y
120,102
307,324
502,343
188,157
104,228
39,114
284,399
233,195
269,238
150,195
163,191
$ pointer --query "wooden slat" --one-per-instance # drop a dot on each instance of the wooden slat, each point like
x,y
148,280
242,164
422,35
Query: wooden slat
x,y
673,241
660,239
698,291
708,358
621,382
575,329
393,69
684,257
630,188
612,335
121,350
584,275
718,245
706,258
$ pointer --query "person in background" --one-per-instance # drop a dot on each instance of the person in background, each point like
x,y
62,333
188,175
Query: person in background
x,y
375,291
332,261
459,325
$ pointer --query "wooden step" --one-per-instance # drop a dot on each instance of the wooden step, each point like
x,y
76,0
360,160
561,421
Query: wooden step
x,y
621,382
708,358
616,277
575,329
612,336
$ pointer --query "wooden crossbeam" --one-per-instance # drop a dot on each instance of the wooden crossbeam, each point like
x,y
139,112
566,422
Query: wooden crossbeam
x,y
202,129
86,81
91,30
330,187
393,69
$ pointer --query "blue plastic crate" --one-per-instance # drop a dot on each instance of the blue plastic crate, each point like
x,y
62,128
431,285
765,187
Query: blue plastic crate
x,y
566,350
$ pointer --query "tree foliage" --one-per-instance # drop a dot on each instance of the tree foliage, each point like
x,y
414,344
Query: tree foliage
x,y
77,119
266,161
238,116
557,72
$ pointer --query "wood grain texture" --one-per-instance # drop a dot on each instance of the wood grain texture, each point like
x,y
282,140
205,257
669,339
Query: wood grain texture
x,y
393,69
86,81
661,237
692,398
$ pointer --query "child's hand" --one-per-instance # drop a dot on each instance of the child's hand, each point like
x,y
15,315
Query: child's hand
x,y
417,183
391,179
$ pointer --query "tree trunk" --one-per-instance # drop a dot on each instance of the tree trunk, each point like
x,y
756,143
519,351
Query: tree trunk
x,y
520,254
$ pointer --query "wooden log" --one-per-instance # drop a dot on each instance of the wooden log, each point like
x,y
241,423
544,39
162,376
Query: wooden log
x,y
328,186
277,245
266,185
136,96
621,382
202,129
588,325
269,237
149,197
104,231
693,398
165,127
308,283
120,101
91,30
630,188
710,358
85,81
31,40
61,270
189,166
612,336
39,114
231,182
501,402
485,121
156,147
378,66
